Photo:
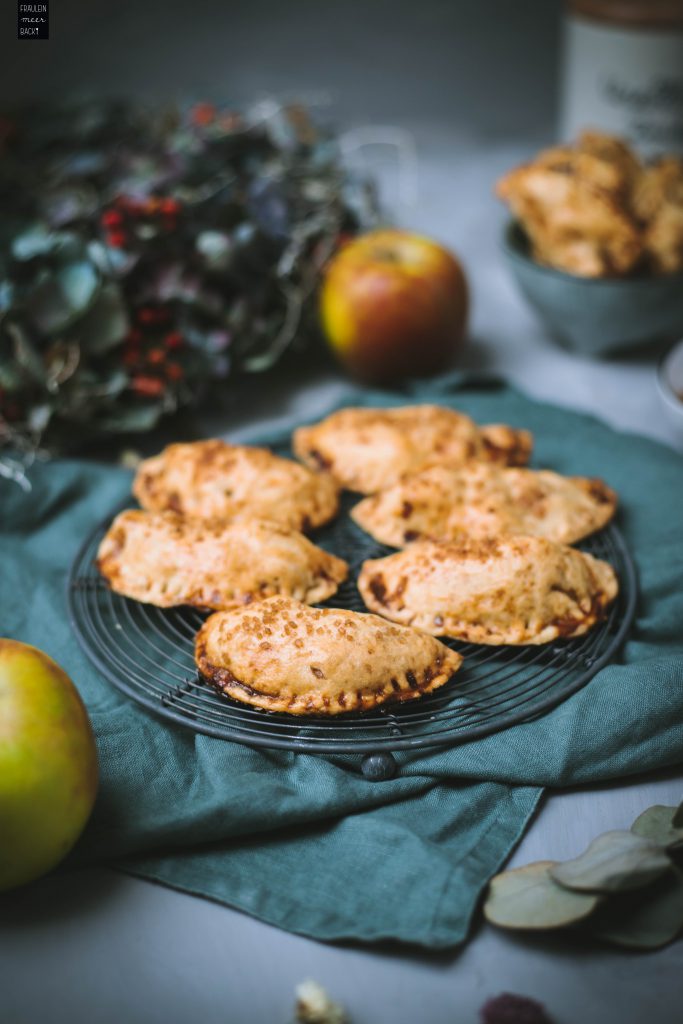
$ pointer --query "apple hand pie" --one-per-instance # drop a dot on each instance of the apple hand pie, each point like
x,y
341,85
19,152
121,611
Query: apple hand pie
x,y
164,559
509,590
481,499
285,656
216,480
367,450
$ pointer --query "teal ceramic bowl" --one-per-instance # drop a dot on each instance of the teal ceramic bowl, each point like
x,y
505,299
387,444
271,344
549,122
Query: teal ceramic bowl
x,y
596,316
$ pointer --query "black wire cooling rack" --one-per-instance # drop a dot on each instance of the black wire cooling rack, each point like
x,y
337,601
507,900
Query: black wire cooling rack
x,y
147,652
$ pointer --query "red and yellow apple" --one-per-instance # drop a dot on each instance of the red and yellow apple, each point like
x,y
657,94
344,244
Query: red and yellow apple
x,y
394,305
48,764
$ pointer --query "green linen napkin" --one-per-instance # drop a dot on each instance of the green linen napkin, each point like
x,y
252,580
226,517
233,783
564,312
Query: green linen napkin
x,y
307,843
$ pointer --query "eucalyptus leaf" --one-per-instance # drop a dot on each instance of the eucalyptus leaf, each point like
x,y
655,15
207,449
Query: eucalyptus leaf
x,y
11,375
528,898
111,262
39,417
646,919
105,323
613,862
215,248
131,419
25,354
6,295
656,823
35,241
59,298
68,203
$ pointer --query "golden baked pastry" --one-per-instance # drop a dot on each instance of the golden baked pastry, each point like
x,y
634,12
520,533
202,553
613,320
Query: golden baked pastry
x,y
594,209
658,201
573,223
213,479
165,559
510,590
369,449
481,499
285,656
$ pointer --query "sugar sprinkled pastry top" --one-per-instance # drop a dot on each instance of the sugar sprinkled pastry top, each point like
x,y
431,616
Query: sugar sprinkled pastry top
x,y
369,449
286,656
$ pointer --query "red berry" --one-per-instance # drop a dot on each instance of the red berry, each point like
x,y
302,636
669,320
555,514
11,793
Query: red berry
x,y
169,207
150,315
111,218
147,387
130,358
155,356
117,239
173,340
174,371
203,113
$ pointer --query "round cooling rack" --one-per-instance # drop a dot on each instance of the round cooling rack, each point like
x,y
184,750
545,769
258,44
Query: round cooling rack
x,y
147,652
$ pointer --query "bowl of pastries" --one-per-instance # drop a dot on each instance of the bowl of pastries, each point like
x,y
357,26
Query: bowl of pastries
x,y
596,243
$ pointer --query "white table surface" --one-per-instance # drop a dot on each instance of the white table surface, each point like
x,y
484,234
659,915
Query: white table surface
x,y
102,948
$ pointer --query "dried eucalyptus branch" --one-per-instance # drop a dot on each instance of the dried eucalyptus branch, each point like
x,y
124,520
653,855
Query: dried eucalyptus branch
x,y
146,253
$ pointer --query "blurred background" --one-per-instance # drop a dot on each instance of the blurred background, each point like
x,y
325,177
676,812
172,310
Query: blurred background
x,y
488,67
452,93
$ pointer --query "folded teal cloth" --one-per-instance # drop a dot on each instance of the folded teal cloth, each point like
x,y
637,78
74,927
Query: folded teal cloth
x,y
305,842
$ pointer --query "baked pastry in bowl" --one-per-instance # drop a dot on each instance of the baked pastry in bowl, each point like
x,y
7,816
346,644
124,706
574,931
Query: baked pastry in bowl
x,y
596,244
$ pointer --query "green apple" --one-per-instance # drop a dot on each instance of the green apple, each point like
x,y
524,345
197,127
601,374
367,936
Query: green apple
x,y
48,764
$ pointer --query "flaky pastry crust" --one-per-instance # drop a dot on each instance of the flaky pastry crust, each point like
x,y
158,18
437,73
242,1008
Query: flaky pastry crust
x,y
286,656
213,479
164,559
511,590
369,449
481,499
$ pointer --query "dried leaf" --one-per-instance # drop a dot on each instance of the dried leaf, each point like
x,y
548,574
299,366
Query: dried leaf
x,y
39,417
314,1006
36,241
221,226
68,203
58,298
647,919
656,823
613,862
25,354
508,1008
131,419
528,898
105,323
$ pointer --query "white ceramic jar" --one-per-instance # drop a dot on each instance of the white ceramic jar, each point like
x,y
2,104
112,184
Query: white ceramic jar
x,y
623,71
